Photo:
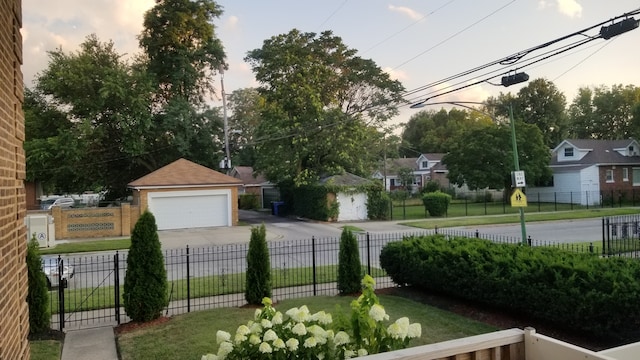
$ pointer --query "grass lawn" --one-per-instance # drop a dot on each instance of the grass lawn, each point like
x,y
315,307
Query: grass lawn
x,y
45,349
191,335
88,246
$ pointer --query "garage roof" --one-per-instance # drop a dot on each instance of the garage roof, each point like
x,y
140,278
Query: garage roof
x,y
183,173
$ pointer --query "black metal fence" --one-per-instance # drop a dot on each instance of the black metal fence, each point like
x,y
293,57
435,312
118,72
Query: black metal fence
x,y
621,236
211,277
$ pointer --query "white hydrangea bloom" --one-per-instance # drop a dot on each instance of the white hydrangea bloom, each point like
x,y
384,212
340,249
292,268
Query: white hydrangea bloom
x,y
291,312
399,329
255,328
209,357
341,338
224,349
279,344
222,336
254,339
301,315
270,335
320,356
377,313
322,317
239,338
266,324
257,314
348,354
277,318
299,329
317,331
310,342
363,352
243,330
292,344
265,348
415,331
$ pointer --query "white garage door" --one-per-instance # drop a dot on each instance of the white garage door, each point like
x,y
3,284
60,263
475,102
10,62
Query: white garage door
x,y
352,206
191,209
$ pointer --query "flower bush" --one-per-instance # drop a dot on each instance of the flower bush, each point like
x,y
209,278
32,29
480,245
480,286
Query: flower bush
x,y
300,334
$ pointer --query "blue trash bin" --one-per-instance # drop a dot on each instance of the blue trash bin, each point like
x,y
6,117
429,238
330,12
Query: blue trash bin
x,y
278,207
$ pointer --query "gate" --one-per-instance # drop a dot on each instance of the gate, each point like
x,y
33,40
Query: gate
x,y
621,236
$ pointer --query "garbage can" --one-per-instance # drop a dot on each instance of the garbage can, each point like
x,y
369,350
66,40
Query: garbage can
x,y
278,207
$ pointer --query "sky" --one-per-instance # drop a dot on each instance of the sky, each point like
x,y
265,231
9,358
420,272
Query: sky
x,y
418,42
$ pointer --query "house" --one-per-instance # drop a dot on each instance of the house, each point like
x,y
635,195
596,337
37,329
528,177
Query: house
x,y
352,203
255,184
184,194
587,171
425,168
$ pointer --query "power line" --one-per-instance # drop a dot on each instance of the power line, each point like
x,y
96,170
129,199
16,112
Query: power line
x,y
332,14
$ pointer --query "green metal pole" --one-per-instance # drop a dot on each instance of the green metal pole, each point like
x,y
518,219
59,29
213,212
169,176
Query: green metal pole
x,y
516,163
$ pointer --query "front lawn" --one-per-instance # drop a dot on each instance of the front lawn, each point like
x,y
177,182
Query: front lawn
x,y
189,336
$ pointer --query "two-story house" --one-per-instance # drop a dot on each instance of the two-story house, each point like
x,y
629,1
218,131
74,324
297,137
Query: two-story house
x,y
425,168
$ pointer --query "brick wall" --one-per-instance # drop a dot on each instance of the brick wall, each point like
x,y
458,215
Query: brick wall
x,y
14,320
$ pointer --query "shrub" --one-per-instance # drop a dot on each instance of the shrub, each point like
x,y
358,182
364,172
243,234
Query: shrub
x,y
349,267
258,267
378,204
37,293
145,283
430,186
436,203
248,201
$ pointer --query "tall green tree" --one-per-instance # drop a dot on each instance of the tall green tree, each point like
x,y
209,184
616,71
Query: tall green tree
x,y
37,292
245,106
320,98
258,267
483,157
349,266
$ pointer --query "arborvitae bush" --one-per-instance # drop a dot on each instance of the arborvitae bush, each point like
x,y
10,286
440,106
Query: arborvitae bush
x,y
258,267
37,294
349,267
378,204
248,201
436,203
145,283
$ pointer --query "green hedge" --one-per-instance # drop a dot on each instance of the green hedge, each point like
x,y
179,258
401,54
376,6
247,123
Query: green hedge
x,y
248,201
577,291
436,203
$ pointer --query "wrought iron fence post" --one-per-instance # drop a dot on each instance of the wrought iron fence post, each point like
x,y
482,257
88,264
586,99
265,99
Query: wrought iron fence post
x,y
555,201
188,283
60,293
368,254
313,263
116,286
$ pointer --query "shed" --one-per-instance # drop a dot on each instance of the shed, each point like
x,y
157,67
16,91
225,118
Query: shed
x,y
352,201
184,194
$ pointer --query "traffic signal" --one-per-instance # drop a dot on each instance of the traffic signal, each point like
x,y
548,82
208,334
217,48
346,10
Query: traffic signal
x,y
607,32
514,79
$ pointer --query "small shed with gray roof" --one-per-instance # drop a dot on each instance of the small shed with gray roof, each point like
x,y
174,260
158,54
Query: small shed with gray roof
x,y
184,194
352,201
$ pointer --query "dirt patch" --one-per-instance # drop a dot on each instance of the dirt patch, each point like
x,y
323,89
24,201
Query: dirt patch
x,y
48,335
132,325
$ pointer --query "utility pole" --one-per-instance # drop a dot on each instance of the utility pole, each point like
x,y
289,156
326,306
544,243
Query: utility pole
x,y
226,163
516,164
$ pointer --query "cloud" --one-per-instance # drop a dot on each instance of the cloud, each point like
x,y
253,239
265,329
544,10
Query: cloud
x,y
570,8
231,22
396,74
412,14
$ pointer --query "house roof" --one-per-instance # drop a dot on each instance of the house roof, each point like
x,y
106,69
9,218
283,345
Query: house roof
x,y
183,173
599,152
434,156
346,179
245,173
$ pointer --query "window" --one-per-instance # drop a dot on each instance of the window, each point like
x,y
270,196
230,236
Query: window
x,y
392,182
609,176
425,164
625,174
568,152
631,150
635,173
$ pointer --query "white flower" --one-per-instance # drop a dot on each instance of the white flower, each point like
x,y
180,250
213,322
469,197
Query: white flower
x,y
239,338
377,313
348,354
224,349
299,329
266,324
320,356
255,328
292,344
299,314
415,331
399,329
310,342
254,339
362,352
270,335
265,348
222,336
317,331
279,344
257,314
277,318
209,357
341,338
322,317
243,330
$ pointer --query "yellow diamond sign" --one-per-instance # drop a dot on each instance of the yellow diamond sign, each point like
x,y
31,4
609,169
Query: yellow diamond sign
x,y
518,198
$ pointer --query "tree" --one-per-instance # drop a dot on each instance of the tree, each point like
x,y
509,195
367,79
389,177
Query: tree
x,y
145,282
320,98
349,266
406,177
483,158
245,106
37,293
258,267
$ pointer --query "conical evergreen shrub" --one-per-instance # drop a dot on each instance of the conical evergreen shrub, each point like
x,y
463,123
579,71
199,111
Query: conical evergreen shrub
x,y
349,267
258,267
145,283
38,293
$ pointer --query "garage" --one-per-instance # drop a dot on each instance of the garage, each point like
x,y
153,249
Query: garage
x,y
190,209
184,195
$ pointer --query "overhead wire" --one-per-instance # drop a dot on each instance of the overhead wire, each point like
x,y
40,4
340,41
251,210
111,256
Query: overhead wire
x,y
333,14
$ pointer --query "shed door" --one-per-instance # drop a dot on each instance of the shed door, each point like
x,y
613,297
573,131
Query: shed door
x,y
191,209
352,206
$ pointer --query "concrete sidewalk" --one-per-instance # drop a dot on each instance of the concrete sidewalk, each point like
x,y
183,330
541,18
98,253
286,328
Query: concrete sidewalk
x,y
95,343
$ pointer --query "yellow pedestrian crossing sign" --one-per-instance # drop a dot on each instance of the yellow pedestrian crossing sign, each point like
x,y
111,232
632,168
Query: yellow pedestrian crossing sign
x,y
518,198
